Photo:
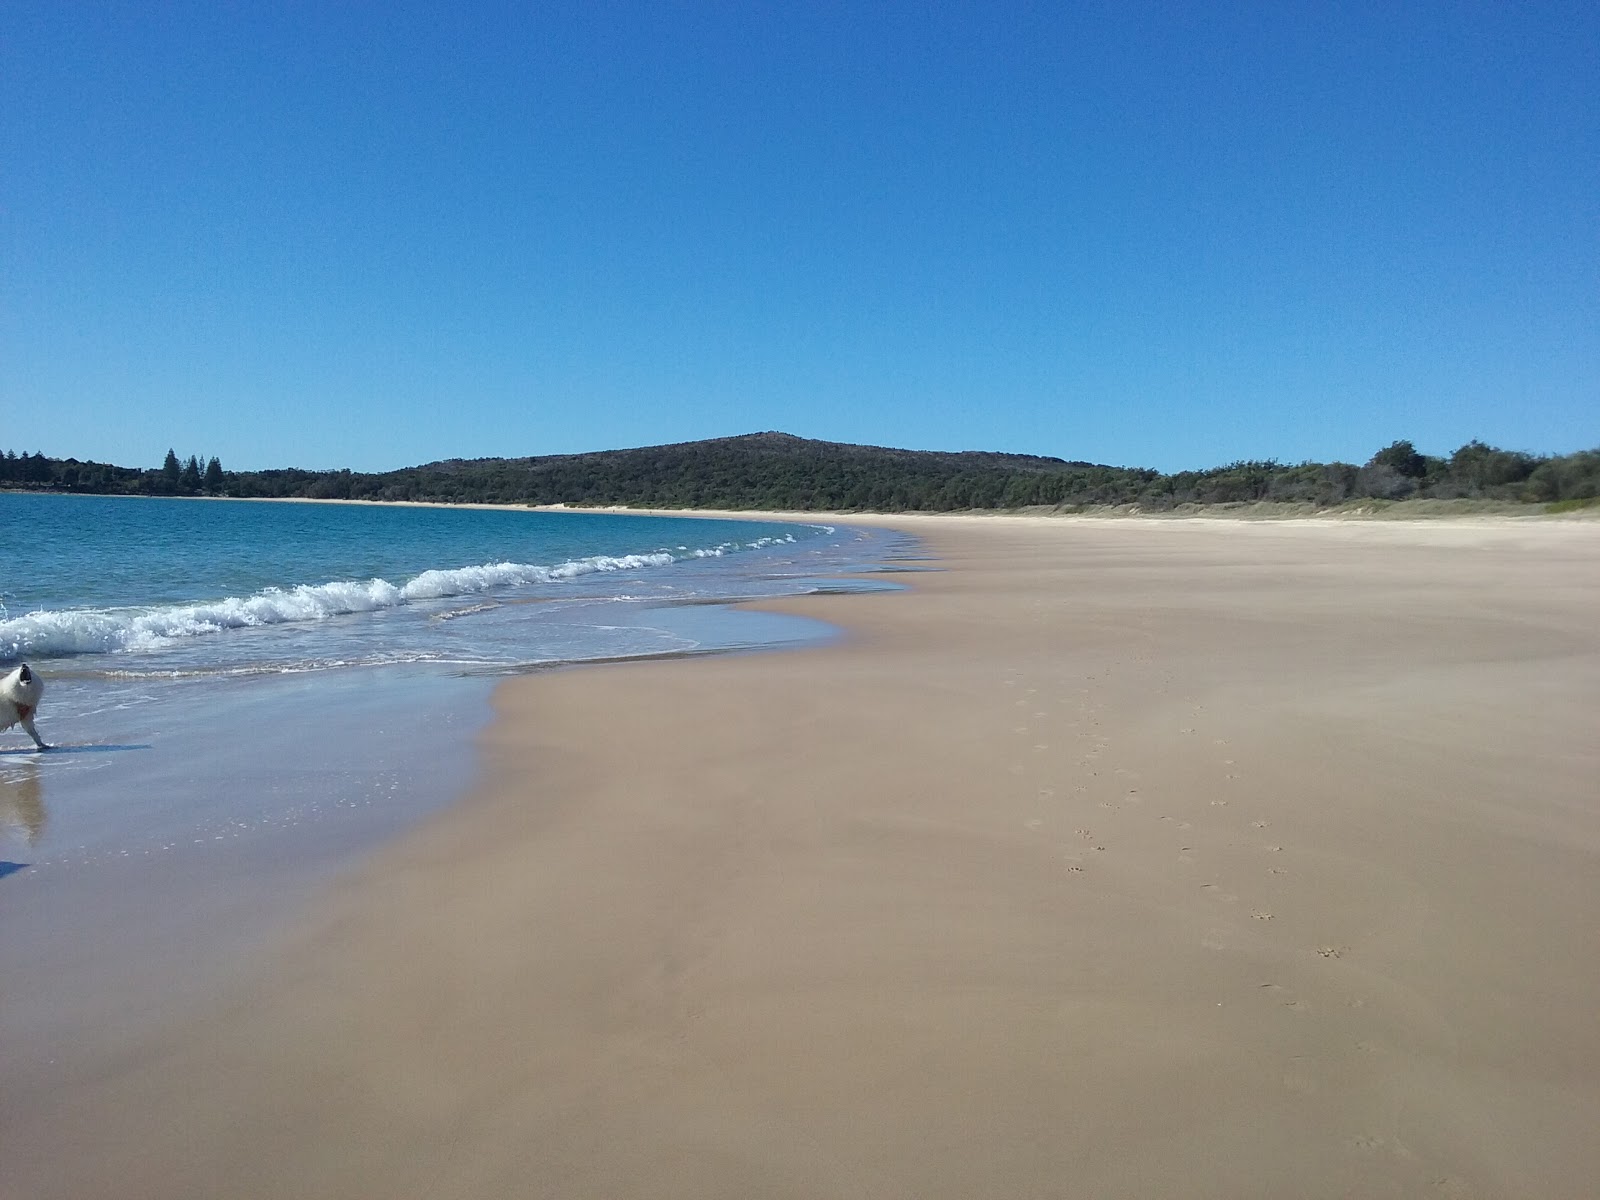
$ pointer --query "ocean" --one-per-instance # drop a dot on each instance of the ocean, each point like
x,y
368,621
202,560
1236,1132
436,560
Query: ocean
x,y
150,618
119,587
245,697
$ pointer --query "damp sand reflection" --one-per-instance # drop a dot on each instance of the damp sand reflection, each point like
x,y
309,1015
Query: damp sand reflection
x,y
22,811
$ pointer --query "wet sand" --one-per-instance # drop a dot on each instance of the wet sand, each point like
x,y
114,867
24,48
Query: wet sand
x,y
1116,858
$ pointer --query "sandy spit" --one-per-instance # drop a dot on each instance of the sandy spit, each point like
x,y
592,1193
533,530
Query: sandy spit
x,y
1134,858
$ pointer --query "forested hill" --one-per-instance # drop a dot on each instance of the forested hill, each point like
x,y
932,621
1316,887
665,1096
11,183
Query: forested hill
x,y
759,470
780,471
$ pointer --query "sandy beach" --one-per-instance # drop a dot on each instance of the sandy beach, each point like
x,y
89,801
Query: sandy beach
x,y
1113,858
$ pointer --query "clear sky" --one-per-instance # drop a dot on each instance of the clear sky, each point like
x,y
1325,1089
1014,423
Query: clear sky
x,y
1171,235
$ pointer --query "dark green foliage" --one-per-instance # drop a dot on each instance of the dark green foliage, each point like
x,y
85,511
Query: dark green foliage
x,y
779,471
1569,477
1402,458
1483,470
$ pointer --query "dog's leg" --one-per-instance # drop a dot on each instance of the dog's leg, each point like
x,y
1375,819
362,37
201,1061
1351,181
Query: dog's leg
x,y
27,724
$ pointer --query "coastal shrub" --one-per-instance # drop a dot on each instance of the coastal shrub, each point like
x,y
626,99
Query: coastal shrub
x,y
1380,481
1401,457
1573,477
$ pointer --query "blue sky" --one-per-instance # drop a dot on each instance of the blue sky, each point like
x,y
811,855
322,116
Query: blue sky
x,y
1172,235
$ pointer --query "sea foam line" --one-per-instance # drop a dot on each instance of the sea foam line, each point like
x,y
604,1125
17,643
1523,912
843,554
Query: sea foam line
x,y
107,630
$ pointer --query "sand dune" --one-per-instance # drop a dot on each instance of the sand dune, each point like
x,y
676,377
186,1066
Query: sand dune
x,y
1114,859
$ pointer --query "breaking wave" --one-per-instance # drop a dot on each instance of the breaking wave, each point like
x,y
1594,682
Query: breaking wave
x,y
54,633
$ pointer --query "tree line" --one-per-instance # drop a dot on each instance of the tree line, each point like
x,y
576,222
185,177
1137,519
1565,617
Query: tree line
x,y
174,478
780,471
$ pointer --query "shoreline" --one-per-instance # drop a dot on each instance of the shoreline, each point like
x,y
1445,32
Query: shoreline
x,y
1378,512
1164,857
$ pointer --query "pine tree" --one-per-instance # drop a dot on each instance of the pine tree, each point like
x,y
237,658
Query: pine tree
x,y
190,479
171,469
213,479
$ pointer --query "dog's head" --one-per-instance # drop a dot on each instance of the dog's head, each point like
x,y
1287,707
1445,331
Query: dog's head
x,y
22,687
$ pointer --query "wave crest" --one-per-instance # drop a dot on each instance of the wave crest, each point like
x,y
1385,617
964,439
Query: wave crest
x,y
54,633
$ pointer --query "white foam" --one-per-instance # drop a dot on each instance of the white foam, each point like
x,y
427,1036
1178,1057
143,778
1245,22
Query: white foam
x,y
108,630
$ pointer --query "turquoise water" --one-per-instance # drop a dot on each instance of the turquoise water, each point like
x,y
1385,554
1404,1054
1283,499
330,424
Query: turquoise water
x,y
110,584
249,667
178,639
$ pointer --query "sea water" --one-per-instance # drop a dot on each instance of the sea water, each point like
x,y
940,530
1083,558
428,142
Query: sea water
x,y
152,619
244,696
120,587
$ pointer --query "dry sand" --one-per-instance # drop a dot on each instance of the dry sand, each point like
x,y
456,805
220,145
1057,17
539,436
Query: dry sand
x,y
1116,859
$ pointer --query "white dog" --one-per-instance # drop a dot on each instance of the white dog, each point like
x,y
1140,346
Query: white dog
x,y
19,700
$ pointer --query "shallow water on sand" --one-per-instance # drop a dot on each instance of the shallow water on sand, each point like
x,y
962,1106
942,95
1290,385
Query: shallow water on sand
x,y
164,687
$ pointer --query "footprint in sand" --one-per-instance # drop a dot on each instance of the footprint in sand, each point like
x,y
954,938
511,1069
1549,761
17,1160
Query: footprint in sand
x,y
1285,998
1332,951
1225,897
1261,914
1259,824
